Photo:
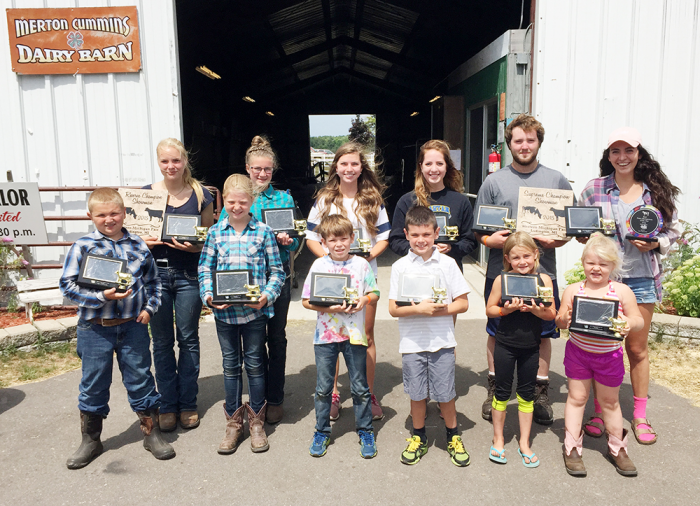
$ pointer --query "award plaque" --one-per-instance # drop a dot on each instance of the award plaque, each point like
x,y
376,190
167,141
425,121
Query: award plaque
x,y
282,219
526,287
583,221
233,287
597,317
361,245
446,233
644,223
490,219
103,273
417,287
332,289
184,228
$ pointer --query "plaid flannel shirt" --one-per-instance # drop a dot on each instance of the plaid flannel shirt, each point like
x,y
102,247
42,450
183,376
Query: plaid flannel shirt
x,y
604,192
271,199
92,303
254,250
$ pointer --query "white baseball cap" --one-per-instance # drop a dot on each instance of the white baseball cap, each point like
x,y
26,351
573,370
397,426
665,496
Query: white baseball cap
x,y
626,134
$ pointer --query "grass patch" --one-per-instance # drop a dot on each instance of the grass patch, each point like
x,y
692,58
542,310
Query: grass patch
x,y
676,365
46,361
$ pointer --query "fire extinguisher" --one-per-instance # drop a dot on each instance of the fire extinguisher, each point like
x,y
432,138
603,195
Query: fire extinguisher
x,y
494,160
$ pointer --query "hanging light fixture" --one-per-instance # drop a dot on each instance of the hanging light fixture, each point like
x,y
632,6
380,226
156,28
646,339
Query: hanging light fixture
x,y
209,73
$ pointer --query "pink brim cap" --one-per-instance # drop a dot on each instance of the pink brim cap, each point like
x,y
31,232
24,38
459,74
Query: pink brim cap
x,y
626,134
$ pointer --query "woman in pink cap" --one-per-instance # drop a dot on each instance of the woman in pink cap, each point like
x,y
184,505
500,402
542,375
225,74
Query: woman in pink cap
x,y
630,177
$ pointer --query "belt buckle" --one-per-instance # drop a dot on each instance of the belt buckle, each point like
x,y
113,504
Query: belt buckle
x,y
163,262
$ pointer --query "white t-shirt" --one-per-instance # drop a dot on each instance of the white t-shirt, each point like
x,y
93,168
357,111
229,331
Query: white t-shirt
x,y
339,327
350,204
428,333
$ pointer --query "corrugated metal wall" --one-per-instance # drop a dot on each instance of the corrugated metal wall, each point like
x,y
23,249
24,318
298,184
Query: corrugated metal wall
x,y
93,129
603,64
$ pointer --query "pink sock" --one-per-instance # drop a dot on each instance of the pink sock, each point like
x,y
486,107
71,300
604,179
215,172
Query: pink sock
x,y
597,408
640,411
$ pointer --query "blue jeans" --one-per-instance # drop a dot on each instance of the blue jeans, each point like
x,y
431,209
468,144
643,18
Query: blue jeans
x,y
276,357
96,348
356,360
177,381
243,343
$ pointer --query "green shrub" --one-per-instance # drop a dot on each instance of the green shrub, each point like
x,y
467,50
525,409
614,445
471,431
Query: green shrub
x,y
575,274
682,287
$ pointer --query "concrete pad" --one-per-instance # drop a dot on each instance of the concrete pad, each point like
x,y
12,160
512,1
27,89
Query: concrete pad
x,y
665,324
20,335
51,330
71,325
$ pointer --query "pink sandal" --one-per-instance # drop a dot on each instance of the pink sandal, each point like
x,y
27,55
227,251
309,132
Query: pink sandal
x,y
639,431
599,426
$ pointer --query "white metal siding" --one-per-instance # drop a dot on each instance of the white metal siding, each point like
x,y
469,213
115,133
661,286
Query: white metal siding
x,y
92,129
603,64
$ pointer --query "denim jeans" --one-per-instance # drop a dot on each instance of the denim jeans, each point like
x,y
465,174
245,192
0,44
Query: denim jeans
x,y
177,380
96,348
276,357
243,343
356,361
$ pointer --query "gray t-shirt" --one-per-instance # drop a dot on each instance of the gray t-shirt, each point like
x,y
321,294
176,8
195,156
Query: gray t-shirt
x,y
502,189
635,264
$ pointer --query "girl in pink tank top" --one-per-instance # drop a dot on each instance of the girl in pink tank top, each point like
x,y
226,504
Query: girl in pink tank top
x,y
591,360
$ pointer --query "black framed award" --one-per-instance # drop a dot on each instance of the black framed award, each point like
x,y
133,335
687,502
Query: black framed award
x,y
644,223
583,221
283,219
329,289
419,286
490,219
233,287
597,317
184,228
446,233
361,245
526,287
101,272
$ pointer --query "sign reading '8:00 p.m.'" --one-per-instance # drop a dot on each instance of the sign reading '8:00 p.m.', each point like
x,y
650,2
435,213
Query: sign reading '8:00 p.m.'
x,y
86,40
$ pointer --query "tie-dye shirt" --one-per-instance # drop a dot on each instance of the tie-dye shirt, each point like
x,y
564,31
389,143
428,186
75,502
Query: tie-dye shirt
x,y
339,327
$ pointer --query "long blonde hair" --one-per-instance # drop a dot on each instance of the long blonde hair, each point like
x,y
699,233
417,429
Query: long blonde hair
x,y
369,189
523,240
187,177
454,180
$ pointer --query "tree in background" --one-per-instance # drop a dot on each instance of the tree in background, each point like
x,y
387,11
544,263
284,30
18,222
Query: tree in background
x,y
362,131
329,142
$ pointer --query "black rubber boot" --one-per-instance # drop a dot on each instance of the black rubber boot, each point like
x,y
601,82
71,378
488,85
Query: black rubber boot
x,y
153,440
542,413
486,406
91,446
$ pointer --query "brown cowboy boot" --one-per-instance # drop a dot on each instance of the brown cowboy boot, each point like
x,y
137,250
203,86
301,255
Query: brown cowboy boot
x,y
617,454
91,446
234,431
153,440
486,406
256,425
573,455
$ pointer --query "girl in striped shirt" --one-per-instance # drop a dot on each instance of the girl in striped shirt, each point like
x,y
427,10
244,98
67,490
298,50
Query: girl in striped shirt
x,y
589,359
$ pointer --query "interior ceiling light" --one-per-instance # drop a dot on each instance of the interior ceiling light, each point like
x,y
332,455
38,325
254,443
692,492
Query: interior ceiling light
x,y
248,99
437,97
210,74
269,113
414,113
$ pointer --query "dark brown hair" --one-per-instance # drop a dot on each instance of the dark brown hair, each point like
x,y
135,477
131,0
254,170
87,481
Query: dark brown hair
x,y
419,216
527,123
454,180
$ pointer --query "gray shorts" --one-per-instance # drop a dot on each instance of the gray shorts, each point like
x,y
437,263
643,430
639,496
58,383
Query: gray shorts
x,y
429,374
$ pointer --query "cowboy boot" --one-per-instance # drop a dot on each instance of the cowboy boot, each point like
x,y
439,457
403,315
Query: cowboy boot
x,y
542,413
573,455
91,446
256,425
153,440
234,431
486,406
617,454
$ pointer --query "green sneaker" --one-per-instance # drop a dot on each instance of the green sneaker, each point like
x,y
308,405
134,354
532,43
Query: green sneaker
x,y
414,451
458,454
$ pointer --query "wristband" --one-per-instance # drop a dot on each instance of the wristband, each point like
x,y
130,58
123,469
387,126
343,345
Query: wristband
x,y
500,311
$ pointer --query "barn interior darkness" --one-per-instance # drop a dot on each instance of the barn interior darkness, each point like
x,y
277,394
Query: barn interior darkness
x,y
297,58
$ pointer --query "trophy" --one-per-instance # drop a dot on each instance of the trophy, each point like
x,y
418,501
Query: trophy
x,y
644,223
124,280
365,245
439,295
582,221
490,219
608,226
452,232
509,224
253,292
416,287
546,293
617,325
327,289
183,228
100,272
300,227
361,245
446,232
521,286
201,233
351,295
283,220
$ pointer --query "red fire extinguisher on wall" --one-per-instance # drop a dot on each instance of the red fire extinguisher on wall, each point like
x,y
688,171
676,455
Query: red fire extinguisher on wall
x,y
494,160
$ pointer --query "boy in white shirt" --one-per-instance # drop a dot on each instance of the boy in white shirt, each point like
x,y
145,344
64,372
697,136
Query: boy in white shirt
x,y
427,335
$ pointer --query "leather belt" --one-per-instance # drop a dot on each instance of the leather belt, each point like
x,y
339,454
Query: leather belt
x,y
110,322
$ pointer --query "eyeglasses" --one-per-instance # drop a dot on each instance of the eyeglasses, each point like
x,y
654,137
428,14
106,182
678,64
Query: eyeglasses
x,y
258,170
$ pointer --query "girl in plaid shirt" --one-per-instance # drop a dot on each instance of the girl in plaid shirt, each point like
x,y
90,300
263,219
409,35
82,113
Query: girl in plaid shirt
x,y
242,243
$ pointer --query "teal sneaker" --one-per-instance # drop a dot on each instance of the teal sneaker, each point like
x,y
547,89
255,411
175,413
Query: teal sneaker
x,y
458,454
319,444
414,451
368,447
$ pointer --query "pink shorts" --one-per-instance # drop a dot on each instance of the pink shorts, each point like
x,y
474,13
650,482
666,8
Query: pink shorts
x,y
605,368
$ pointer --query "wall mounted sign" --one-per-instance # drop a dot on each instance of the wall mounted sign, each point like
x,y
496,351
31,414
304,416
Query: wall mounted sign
x,y
21,215
541,211
90,40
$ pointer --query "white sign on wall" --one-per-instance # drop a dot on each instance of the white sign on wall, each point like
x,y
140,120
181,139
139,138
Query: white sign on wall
x,y
21,216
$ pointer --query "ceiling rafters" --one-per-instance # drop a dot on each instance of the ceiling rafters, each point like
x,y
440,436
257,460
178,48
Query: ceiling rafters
x,y
328,26
278,46
359,11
